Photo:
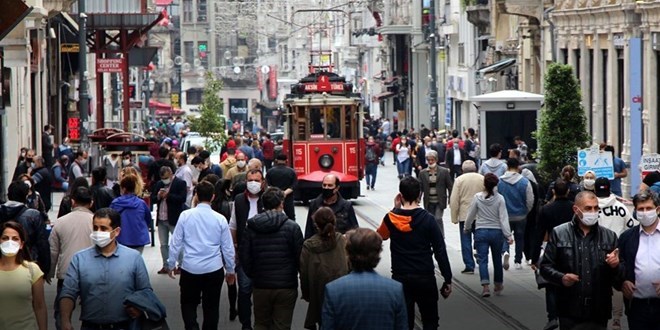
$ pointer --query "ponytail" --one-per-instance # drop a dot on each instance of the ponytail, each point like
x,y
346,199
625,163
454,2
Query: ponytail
x,y
324,220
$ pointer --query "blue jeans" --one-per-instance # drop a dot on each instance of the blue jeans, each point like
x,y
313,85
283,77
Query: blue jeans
x,y
489,238
518,229
244,298
370,173
403,168
466,246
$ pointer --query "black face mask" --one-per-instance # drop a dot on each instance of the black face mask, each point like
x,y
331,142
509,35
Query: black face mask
x,y
328,192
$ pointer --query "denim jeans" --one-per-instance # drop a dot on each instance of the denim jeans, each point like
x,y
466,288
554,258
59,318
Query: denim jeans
x,y
370,173
489,238
244,298
466,246
518,229
403,168
164,231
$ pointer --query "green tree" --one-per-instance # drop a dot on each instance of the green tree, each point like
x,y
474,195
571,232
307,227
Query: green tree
x,y
563,125
210,123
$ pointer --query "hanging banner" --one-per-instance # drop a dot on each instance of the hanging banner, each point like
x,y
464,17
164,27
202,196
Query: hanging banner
x,y
272,83
260,82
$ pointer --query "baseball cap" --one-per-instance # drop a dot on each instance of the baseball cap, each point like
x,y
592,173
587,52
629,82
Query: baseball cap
x,y
602,187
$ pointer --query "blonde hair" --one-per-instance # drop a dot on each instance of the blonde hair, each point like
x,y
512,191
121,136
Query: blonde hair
x,y
131,171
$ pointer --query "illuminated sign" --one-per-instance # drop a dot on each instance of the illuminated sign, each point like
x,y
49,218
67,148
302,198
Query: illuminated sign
x,y
73,125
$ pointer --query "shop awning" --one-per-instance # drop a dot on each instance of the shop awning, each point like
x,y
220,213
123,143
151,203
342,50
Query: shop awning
x,y
13,12
499,66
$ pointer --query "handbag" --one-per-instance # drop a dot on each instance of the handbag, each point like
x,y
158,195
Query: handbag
x,y
541,282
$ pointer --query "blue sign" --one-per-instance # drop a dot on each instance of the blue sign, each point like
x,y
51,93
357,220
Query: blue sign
x,y
448,104
599,162
635,81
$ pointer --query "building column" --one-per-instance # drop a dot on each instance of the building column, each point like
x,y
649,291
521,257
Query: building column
x,y
650,93
585,77
612,93
598,90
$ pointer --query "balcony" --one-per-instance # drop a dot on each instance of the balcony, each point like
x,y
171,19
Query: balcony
x,y
398,19
478,13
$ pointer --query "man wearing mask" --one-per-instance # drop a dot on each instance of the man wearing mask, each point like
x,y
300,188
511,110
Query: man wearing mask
x,y
43,181
47,145
241,167
154,168
183,172
127,161
639,256
24,163
246,205
455,158
285,178
112,166
330,197
202,168
78,166
103,276
582,260
169,193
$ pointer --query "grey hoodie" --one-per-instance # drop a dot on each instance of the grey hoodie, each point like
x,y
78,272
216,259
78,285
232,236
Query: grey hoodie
x,y
489,213
493,165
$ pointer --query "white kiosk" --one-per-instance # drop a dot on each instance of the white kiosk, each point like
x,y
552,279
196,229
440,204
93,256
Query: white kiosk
x,y
505,115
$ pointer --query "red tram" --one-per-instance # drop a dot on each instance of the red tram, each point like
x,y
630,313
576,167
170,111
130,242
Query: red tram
x,y
323,134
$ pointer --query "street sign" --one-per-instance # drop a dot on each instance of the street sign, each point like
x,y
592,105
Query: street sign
x,y
69,48
112,65
592,159
650,163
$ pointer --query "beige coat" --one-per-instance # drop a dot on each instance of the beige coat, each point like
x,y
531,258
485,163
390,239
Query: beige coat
x,y
465,187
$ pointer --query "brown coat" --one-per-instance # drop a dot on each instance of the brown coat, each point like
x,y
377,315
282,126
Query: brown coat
x,y
321,262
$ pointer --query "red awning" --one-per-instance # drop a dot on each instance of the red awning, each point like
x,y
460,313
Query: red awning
x,y
163,2
165,112
159,105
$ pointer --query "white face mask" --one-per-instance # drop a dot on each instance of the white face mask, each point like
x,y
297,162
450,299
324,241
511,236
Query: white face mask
x,y
589,218
240,163
166,181
254,187
101,238
126,162
28,183
10,248
589,183
647,218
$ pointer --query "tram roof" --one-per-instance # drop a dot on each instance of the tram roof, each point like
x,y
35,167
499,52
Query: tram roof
x,y
322,99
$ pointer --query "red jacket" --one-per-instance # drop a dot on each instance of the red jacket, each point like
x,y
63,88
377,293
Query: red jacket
x,y
268,149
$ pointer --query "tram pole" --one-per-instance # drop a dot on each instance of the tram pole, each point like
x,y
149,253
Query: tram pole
x,y
433,86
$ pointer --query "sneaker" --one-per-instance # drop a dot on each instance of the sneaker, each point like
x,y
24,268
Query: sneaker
x,y
372,188
498,289
616,324
163,270
551,325
517,266
505,261
367,187
233,313
467,271
485,293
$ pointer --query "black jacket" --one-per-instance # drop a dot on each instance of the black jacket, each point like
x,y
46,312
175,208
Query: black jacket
x,y
344,213
416,238
551,215
176,199
43,182
568,251
284,177
628,247
102,196
34,224
242,209
270,251
449,157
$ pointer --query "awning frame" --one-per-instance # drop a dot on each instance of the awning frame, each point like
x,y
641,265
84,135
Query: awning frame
x,y
496,67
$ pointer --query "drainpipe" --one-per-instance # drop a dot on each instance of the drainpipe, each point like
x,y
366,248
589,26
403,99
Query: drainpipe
x,y
546,17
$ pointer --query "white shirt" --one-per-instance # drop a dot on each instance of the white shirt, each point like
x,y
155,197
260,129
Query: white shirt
x,y
457,157
184,173
647,264
254,210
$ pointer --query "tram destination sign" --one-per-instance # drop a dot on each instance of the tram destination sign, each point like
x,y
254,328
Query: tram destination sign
x,y
324,85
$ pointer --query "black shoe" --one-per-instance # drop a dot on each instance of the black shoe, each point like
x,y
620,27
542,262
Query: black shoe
x,y
467,271
232,314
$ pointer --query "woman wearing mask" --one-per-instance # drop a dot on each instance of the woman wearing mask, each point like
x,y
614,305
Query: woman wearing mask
x,y
403,153
21,283
491,220
567,174
588,181
136,221
323,259
34,200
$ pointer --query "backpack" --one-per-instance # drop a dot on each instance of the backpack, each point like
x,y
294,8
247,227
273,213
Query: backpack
x,y
371,154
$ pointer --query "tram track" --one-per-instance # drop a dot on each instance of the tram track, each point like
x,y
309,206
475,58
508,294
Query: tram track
x,y
486,305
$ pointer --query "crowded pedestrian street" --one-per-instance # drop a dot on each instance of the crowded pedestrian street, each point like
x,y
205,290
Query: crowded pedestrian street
x,y
521,305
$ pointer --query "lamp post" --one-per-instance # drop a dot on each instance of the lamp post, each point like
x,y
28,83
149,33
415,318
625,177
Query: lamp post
x,y
83,93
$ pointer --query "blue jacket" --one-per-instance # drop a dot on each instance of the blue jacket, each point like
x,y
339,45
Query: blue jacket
x,y
135,220
364,301
153,310
517,193
655,188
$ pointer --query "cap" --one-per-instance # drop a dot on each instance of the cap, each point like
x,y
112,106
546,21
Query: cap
x,y
602,187
651,178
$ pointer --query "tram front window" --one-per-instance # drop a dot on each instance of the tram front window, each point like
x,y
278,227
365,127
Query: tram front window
x,y
317,120
325,123
333,122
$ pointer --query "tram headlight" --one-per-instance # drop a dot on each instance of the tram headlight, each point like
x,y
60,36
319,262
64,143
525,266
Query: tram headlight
x,y
326,161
